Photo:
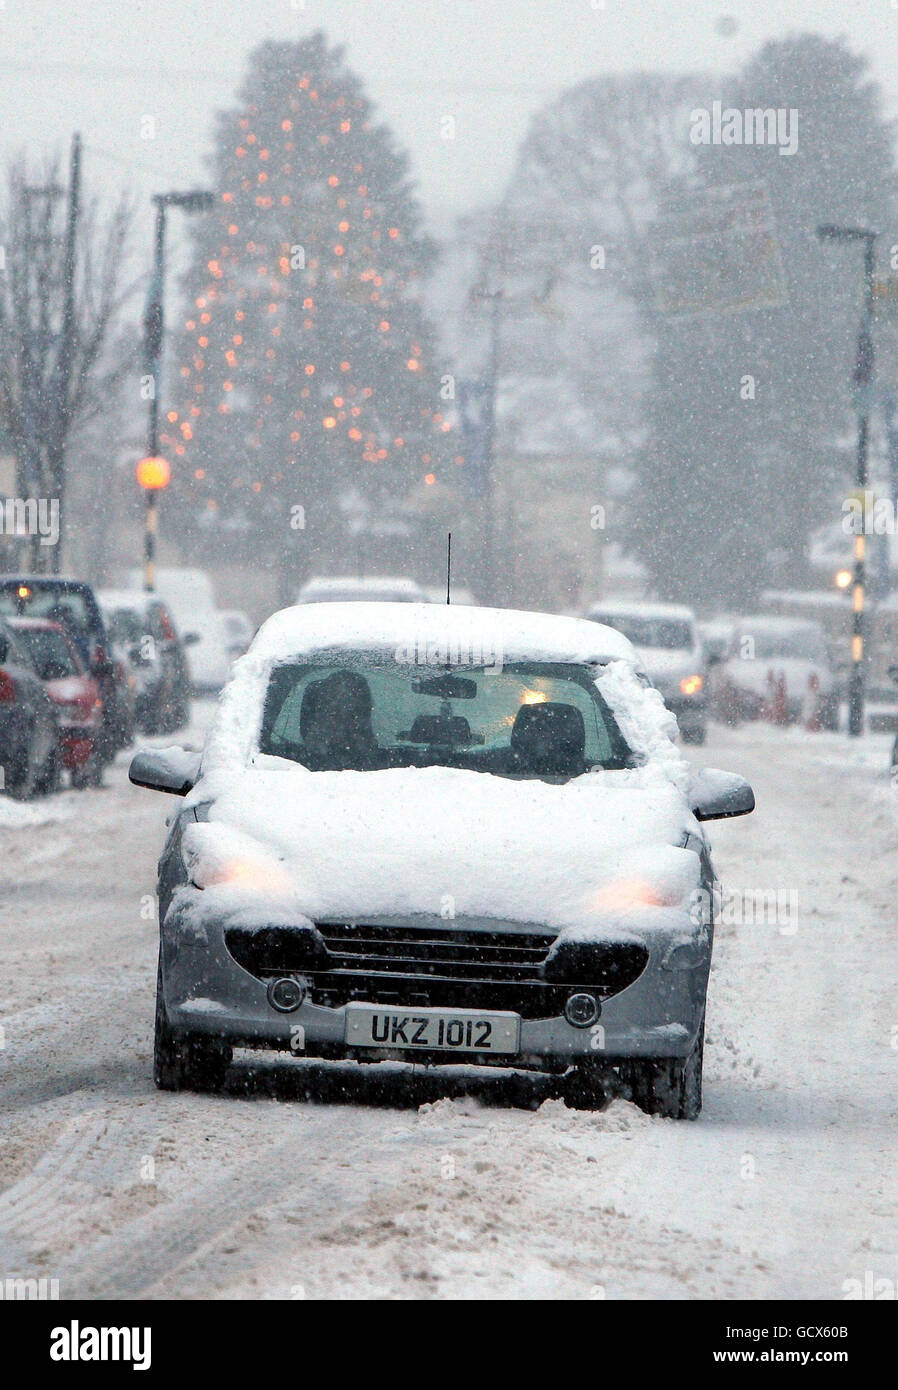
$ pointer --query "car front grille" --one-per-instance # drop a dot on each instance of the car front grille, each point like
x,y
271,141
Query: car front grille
x,y
434,965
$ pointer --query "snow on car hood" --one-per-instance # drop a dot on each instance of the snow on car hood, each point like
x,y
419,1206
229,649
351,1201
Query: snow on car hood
x,y
594,853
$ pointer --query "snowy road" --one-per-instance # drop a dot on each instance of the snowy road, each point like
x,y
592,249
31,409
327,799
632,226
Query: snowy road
x,y
320,1180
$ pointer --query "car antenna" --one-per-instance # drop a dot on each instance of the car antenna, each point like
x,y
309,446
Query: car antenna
x,y
448,567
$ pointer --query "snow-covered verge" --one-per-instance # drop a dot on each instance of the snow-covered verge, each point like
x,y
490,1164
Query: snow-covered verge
x,y
329,1180
19,815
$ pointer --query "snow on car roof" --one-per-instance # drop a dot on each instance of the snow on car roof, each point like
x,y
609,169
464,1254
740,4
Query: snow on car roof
x,y
766,622
329,584
125,598
510,633
635,608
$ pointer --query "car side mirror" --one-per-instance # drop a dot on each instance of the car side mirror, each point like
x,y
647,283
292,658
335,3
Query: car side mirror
x,y
716,795
172,770
190,639
893,674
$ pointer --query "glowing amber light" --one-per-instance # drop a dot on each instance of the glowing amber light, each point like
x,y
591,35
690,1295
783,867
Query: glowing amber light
x,y
329,422
344,366
843,579
691,685
384,325
394,232
534,697
200,474
286,125
413,365
430,479
310,370
154,472
334,181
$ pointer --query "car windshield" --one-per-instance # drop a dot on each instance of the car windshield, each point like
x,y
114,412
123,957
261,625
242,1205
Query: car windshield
x,y
53,658
670,634
800,645
366,713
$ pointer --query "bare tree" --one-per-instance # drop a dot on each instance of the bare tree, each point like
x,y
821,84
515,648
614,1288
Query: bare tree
x,y
61,293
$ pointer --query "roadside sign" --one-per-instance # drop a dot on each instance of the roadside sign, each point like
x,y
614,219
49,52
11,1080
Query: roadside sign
x,y
715,251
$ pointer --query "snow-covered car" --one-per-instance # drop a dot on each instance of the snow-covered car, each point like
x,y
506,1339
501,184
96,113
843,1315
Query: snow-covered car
x,y
426,833
142,635
666,637
779,662
369,589
190,596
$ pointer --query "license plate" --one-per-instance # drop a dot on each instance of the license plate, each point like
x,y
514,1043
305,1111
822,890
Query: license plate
x,y
440,1030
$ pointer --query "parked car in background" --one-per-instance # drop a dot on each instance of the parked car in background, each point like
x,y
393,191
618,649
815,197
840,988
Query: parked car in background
x,y
74,692
190,598
30,753
665,636
143,634
716,637
776,661
73,603
238,631
371,589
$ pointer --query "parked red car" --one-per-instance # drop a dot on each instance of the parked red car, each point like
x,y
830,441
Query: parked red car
x,y
74,692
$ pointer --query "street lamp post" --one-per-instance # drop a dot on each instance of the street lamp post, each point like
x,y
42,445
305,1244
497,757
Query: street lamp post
x,y
862,381
196,200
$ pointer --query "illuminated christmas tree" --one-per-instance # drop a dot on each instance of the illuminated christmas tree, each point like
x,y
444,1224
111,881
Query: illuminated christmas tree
x,y
305,372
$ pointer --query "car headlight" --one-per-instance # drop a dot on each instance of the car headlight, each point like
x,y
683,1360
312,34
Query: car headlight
x,y
691,685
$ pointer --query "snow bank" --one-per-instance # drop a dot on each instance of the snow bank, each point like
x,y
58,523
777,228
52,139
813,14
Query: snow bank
x,y
22,815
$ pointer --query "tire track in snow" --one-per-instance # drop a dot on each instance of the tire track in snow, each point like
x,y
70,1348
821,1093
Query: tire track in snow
x,y
152,1247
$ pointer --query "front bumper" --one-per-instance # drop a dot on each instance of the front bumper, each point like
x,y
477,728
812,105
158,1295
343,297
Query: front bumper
x,y
659,1015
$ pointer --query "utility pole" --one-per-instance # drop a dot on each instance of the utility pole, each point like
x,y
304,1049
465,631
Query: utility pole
x,y
36,337
488,544
862,384
62,374
196,200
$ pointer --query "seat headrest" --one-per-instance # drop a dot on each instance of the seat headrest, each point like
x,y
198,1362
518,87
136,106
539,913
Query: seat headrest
x,y
550,737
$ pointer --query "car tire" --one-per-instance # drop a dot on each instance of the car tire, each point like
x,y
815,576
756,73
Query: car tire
x,y
51,773
186,1062
21,778
587,1087
669,1086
